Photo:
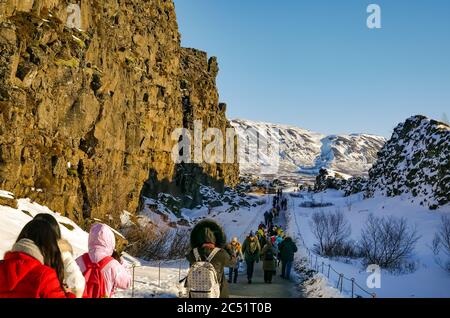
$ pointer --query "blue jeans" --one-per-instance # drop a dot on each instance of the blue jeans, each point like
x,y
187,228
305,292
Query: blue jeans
x,y
286,267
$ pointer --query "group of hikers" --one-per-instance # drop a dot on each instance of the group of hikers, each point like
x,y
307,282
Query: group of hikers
x,y
210,254
41,264
279,203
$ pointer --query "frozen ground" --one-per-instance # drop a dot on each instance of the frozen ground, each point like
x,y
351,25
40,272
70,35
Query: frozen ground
x,y
428,280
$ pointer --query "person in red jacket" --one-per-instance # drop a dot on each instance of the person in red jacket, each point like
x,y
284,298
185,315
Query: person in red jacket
x,y
34,267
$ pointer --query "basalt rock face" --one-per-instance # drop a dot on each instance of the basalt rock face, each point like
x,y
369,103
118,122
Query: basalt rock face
x,y
201,105
86,115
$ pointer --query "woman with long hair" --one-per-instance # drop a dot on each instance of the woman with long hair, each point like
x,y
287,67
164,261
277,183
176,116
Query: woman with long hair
x,y
73,277
34,267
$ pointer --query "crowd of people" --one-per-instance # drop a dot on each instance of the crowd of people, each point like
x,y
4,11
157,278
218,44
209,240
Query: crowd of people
x,y
269,244
41,264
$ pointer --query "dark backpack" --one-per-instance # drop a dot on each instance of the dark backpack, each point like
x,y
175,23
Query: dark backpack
x,y
95,282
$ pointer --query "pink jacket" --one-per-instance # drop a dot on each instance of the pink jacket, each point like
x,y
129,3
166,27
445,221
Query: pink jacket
x,y
101,244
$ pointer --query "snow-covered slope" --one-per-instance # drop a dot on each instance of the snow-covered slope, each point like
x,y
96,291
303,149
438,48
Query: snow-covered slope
x,y
427,278
307,152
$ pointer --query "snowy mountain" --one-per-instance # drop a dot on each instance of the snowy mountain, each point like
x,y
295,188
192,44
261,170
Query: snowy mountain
x,y
415,162
306,152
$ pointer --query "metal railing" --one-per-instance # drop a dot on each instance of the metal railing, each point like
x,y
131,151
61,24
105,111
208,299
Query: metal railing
x,y
313,262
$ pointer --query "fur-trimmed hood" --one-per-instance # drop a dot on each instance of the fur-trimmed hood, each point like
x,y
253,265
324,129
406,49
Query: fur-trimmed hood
x,y
202,230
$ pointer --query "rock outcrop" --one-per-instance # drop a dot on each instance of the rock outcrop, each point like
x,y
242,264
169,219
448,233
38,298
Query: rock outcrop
x,y
415,162
86,115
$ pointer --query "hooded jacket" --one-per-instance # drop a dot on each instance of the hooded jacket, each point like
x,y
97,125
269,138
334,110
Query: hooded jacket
x,y
23,274
210,233
251,249
287,249
101,243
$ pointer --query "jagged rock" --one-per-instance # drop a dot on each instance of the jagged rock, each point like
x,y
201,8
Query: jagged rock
x,y
87,114
415,162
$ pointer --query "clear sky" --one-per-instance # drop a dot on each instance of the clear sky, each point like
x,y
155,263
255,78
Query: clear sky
x,y
315,64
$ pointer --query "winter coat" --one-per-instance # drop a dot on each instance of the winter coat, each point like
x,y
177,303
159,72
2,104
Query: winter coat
x,y
210,233
269,265
251,249
24,275
236,251
101,243
287,249
73,277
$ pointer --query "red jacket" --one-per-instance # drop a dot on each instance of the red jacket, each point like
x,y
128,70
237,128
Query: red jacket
x,y
23,276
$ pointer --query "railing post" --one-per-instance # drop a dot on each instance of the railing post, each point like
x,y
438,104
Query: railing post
x,y
353,287
132,286
329,267
322,266
342,281
316,267
179,271
159,274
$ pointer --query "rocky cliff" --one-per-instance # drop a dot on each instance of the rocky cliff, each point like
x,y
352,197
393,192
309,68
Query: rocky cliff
x,y
86,113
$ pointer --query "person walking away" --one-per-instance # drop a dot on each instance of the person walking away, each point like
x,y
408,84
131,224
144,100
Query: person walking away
x,y
251,250
261,238
236,251
102,272
73,277
287,249
269,261
34,267
261,226
208,257
270,219
266,217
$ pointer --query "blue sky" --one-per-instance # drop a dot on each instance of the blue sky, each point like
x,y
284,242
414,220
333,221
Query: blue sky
x,y
316,65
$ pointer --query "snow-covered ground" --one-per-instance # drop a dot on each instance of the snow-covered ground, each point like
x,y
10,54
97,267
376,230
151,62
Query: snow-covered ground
x,y
161,279
428,279
151,279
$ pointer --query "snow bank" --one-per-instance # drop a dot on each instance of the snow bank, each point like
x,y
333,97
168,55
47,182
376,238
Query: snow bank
x,y
427,280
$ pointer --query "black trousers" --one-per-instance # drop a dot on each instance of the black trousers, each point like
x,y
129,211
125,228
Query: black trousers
x,y
250,269
232,271
268,276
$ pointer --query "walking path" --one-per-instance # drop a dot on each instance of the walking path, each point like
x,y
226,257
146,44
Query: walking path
x,y
280,288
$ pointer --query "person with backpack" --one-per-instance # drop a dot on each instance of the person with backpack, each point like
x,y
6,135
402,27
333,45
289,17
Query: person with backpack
x,y
236,251
287,249
34,267
268,254
103,273
251,249
73,277
208,258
